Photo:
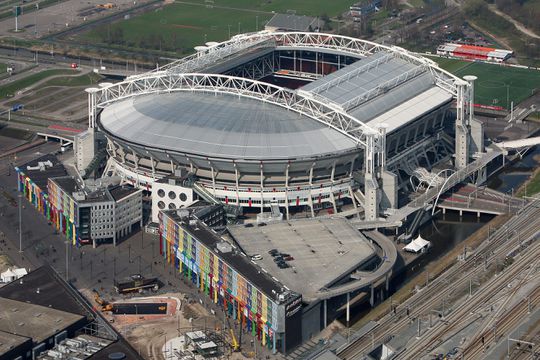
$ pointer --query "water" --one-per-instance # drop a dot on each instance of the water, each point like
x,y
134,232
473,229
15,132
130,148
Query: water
x,y
512,177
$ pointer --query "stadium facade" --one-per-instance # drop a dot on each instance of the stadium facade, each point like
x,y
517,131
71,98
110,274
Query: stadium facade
x,y
290,119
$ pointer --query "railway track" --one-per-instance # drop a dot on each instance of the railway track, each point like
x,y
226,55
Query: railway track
x,y
526,223
440,333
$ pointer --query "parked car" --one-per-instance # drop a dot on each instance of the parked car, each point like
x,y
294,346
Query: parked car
x,y
256,257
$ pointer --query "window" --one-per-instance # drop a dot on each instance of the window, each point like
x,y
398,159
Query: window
x,y
172,195
172,206
183,197
161,193
161,205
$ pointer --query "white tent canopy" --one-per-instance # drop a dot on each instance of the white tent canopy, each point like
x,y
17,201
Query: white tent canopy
x,y
12,274
417,245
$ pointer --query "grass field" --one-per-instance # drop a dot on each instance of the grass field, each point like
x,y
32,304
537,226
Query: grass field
x,y
180,27
3,68
12,88
495,83
86,79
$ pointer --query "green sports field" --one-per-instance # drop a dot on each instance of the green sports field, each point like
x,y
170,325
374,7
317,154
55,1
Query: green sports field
x,y
496,83
178,27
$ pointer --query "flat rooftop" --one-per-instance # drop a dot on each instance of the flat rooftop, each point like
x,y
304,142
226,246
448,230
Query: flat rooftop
x,y
121,191
9,341
53,291
325,251
40,177
235,259
71,185
33,321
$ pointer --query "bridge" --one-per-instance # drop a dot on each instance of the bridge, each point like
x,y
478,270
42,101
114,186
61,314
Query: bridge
x,y
516,144
62,138
425,200
470,198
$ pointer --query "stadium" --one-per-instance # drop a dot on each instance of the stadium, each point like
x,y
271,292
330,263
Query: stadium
x,y
303,121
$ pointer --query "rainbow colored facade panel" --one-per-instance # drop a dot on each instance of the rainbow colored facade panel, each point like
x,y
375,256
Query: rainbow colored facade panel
x,y
46,204
241,299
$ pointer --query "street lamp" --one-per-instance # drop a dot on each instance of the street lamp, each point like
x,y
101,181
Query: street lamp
x,y
67,260
20,223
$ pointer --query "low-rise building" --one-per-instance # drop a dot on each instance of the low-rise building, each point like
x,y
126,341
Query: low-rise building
x,y
102,212
97,216
263,274
474,52
291,22
247,293
365,7
43,325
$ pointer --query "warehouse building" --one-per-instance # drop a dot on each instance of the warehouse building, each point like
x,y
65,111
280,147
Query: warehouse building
x,y
42,314
43,325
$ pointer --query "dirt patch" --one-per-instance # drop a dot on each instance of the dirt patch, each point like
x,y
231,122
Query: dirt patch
x,y
5,263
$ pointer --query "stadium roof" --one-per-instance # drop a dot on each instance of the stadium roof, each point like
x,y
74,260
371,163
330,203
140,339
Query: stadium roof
x,y
382,87
221,125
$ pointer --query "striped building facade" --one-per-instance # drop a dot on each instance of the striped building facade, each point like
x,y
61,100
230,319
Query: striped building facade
x,y
261,313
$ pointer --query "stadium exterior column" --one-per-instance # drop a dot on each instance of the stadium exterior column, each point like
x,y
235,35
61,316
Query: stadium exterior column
x,y
92,106
354,201
262,188
371,205
136,160
113,148
287,189
213,178
352,166
310,189
236,175
153,168
462,133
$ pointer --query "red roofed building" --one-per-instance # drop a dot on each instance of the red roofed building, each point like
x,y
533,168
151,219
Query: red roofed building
x,y
474,52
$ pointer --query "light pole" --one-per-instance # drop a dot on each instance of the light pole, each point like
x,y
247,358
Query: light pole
x,y
507,95
67,260
20,223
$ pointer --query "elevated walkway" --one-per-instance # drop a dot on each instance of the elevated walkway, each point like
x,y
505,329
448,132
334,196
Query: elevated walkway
x,y
205,194
425,200
519,114
470,198
516,144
